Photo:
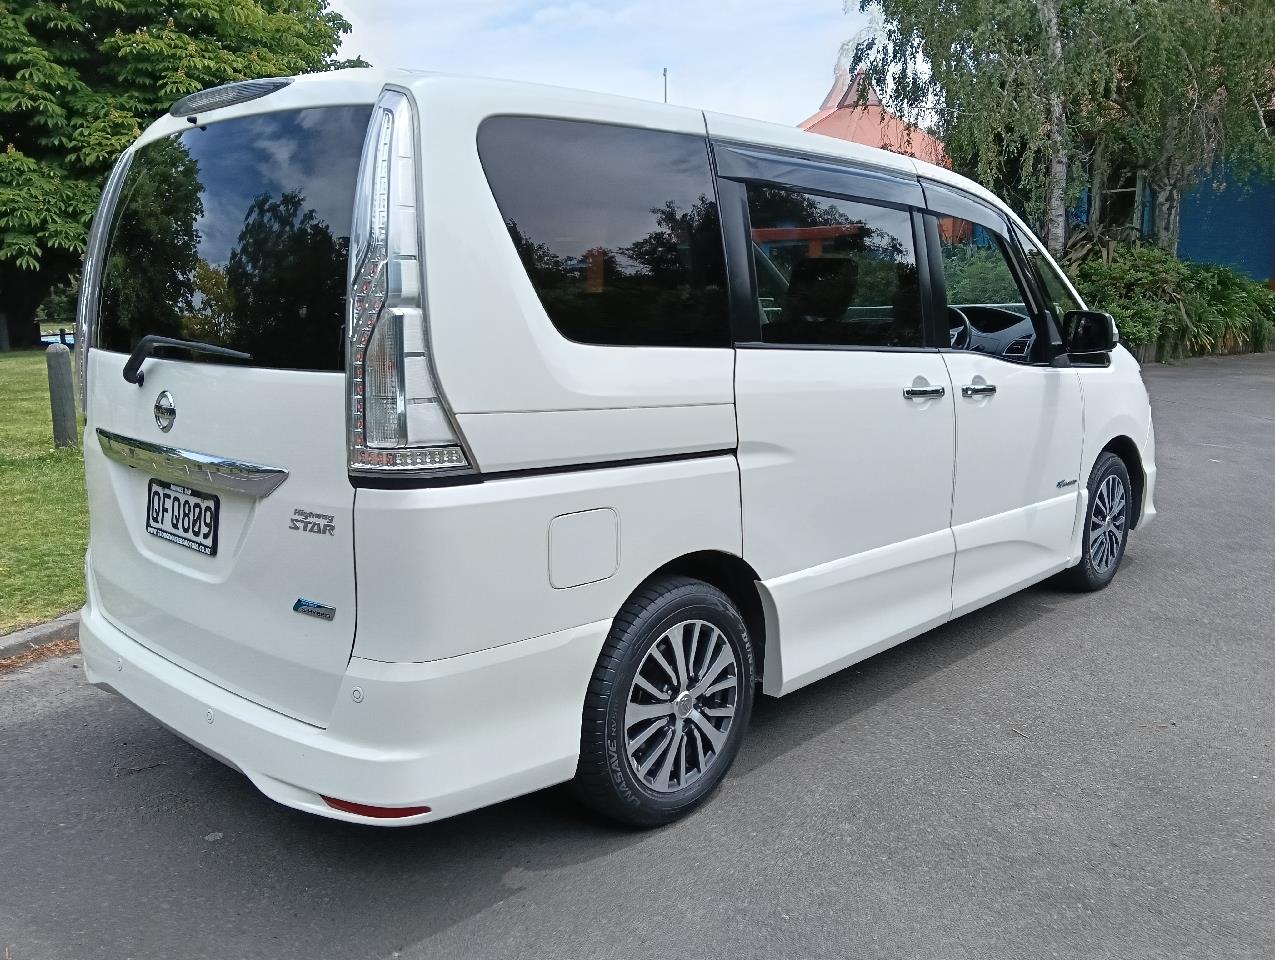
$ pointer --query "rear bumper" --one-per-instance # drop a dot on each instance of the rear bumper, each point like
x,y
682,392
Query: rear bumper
x,y
453,735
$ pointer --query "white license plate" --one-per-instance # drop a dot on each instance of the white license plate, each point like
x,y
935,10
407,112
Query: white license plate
x,y
182,516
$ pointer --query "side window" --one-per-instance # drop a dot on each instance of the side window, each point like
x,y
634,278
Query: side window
x,y
617,228
1051,282
833,272
987,311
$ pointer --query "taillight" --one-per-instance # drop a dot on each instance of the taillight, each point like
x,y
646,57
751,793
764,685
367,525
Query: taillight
x,y
398,423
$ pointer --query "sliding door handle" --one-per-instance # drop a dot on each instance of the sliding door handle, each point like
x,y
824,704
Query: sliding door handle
x,y
978,390
924,393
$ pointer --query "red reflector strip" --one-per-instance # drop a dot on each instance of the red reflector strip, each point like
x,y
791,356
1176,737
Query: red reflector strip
x,y
380,813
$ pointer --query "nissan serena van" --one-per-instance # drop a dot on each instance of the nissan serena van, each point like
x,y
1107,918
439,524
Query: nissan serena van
x,y
447,438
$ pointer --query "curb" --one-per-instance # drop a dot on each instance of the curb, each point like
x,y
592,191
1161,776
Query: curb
x,y
65,627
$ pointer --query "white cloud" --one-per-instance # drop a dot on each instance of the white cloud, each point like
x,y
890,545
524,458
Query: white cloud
x,y
770,59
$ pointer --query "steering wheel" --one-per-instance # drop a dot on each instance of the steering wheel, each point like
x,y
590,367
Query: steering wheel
x,y
960,330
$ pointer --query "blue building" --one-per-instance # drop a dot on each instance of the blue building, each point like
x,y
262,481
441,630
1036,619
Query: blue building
x,y
1233,226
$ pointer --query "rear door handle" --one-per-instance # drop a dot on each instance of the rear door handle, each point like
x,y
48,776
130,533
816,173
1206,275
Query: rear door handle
x,y
924,393
978,390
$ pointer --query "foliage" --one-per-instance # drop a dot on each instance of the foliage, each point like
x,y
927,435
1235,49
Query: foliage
x,y
1025,92
79,79
43,514
1001,81
976,274
1186,308
1188,95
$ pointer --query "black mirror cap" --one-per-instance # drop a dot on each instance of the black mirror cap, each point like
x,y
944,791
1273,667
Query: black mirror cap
x,y
1087,332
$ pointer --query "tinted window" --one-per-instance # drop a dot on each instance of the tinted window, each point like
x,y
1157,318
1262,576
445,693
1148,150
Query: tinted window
x,y
616,227
986,312
1050,281
237,234
832,271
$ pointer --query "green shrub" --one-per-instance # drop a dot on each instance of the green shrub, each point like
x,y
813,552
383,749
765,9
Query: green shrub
x,y
1187,309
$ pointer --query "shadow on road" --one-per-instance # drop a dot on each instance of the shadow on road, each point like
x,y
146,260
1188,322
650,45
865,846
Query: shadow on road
x,y
185,830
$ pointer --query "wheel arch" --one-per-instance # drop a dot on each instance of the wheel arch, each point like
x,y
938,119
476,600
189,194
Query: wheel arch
x,y
1127,450
738,580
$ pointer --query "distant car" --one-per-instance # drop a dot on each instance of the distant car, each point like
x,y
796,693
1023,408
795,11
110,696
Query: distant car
x,y
450,438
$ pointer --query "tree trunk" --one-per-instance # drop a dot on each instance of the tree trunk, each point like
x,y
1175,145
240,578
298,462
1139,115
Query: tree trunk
x,y
1056,179
22,292
1168,215
1097,188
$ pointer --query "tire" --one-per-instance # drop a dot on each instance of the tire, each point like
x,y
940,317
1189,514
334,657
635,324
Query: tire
x,y
644,763
1108,481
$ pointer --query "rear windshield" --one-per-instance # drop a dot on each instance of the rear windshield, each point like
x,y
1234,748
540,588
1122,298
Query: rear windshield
x,y
237,234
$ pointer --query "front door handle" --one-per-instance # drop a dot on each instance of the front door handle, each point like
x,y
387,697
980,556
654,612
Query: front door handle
x,y
924,393
978,390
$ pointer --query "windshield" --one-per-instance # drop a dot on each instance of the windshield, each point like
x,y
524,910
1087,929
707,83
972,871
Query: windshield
x,y
237,234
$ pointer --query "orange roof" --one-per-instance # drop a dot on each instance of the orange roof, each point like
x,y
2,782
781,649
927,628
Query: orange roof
x,y
869,123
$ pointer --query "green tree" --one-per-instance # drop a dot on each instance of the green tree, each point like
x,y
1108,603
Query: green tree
x,y
1190,96
1020,90
79,79
1006,84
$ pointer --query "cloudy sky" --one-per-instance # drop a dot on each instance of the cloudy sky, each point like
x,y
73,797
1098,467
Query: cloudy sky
x,y
770,59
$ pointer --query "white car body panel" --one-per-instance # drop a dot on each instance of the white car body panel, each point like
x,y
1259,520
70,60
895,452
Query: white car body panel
x,y
1014,503
846,491
171,598
860,518
446,542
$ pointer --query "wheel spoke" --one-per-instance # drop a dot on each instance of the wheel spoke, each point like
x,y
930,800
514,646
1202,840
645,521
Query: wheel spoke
x,y
1098,551
726,711
719,686
645,735
638,712
659,658
710,646
724,659
650,688
665,773
681,758
656,752
715,737
678,637
690,658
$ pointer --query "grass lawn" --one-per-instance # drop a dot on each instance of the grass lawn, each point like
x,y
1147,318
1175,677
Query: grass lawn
x,y
43,515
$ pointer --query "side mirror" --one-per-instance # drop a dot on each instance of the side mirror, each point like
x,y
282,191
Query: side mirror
x,y
1088,332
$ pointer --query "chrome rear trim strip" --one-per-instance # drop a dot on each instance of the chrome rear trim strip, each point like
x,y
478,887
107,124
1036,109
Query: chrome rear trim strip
x,y
201,470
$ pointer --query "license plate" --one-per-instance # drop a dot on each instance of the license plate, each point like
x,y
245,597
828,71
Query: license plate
x,y
182,516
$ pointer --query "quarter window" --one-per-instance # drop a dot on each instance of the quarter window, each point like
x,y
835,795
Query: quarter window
x,y
616,227
1061,300
986,311
833,272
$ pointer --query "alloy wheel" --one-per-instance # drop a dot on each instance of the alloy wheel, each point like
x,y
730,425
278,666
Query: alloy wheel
x,y
681,706
1107,523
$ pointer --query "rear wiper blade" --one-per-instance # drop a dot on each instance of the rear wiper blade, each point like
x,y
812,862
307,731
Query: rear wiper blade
x,y
146,346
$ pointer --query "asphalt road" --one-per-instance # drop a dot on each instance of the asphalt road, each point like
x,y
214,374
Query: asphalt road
x,y
1054,776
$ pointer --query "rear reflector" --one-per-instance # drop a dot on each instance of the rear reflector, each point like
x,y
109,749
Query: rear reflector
x,y
380,813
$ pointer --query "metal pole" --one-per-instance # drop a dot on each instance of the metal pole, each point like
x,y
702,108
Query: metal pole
x,y
666,84
61,394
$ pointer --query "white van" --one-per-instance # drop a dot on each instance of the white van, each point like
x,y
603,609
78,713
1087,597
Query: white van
x,y
449,438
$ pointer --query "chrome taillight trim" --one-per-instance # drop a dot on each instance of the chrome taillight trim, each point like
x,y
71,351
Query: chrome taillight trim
x,y
91,275
205,471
